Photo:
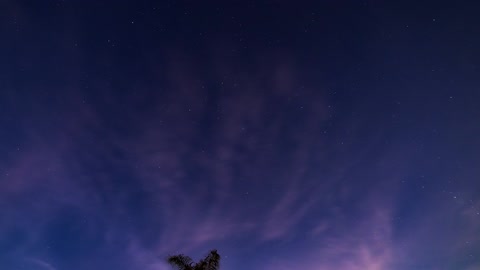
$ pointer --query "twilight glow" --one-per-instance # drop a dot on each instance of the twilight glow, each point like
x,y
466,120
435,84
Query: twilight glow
x,y
296,135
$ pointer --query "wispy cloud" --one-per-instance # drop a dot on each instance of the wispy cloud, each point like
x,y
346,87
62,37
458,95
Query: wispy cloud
x,y
43,264
367,245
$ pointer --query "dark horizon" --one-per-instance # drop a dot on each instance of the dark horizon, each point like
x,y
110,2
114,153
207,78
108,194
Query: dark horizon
x,y
288,135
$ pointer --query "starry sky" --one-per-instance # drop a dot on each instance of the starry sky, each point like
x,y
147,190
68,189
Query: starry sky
x,y
287,134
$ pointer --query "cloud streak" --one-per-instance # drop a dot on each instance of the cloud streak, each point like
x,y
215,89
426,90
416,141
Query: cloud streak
x,y
42,264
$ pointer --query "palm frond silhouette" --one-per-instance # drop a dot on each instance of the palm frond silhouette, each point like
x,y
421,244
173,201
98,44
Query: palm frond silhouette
x,y
182,262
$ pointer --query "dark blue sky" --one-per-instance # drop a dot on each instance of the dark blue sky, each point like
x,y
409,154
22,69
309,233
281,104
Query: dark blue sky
x,y
302,134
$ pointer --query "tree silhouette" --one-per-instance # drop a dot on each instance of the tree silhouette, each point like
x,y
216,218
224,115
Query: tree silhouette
x,y
182,262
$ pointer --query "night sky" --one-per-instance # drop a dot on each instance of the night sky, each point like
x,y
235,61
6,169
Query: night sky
x,y
310,135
